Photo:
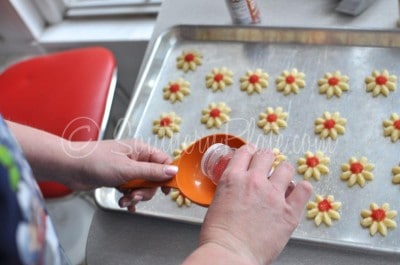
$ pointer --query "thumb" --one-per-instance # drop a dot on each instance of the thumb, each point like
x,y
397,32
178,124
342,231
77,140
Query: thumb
x,y
151,171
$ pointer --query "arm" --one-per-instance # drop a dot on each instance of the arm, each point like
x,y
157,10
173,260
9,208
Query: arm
x,y
88,165
252,216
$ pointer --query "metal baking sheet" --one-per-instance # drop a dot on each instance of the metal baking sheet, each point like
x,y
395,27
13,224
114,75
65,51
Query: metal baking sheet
x,y
356,53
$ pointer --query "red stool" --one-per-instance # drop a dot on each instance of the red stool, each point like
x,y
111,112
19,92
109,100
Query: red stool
x,y
67,93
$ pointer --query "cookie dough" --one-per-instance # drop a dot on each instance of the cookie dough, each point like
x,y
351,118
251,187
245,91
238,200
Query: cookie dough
x,y
290,81
219,78
176,153
323,210
254,81
179,198
215,115
392,127
380,83
271,120
333,84
279,157
189,60
176,90
378,219
357,171
330,125
313,165
166,125
396,175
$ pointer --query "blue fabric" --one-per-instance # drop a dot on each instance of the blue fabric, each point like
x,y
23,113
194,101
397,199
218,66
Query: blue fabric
x,y
27,235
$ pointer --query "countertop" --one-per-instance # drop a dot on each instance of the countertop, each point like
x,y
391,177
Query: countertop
x,y
122,238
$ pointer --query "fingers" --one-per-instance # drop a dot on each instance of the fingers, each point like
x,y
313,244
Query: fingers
x,y
282,176
149,171
145,152
241,158
262,161
131,198
299,196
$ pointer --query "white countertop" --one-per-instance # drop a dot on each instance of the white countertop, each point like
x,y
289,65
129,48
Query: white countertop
x,y
119,238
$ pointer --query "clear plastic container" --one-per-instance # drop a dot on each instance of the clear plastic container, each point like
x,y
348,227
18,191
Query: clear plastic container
x,y
244,11
215,160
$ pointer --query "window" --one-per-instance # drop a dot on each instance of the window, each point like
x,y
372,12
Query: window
x,y
79,8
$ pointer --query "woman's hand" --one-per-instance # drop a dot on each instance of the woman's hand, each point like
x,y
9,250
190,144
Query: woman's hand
x,y
250,219
113,162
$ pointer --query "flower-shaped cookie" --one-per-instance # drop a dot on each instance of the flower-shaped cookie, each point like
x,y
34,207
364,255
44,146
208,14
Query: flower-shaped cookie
x,y
313,165
333,84
215,115
330,125
166,125
396,175
290,81
392,127
254,81
179,198
176,90
378,219
189,60
272,120
176,153
279,157
323,209
380,83
357,171
218,79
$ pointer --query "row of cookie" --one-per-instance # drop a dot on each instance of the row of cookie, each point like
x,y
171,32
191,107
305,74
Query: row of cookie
x,y
355,171
329,125
290,81
377,218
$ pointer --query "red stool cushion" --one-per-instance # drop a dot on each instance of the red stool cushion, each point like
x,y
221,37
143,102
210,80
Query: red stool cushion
x,y
59,93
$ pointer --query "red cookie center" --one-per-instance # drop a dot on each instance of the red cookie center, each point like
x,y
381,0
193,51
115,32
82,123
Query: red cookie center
x,y
396,124
378,215
312,161
272,117
329,124
165,122
218,77
215,113
333,81
290,79
174,88
189,57
381,80
254,79
356,168
324,205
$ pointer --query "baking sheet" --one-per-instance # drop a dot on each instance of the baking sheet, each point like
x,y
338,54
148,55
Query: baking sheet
x,y
355,53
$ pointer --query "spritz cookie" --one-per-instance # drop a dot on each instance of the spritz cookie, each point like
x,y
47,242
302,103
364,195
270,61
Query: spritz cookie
x,y
392,127
290,81
323,210
381,83
189,60
357,171
219,78
176,90
254,81
179,198
215,115
396,175
176,153
378,219
313,165
166,125
333,84
330,125
272,120
279,157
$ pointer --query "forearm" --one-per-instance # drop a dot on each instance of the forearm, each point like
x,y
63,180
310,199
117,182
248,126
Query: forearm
x,y
211,253
45,152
